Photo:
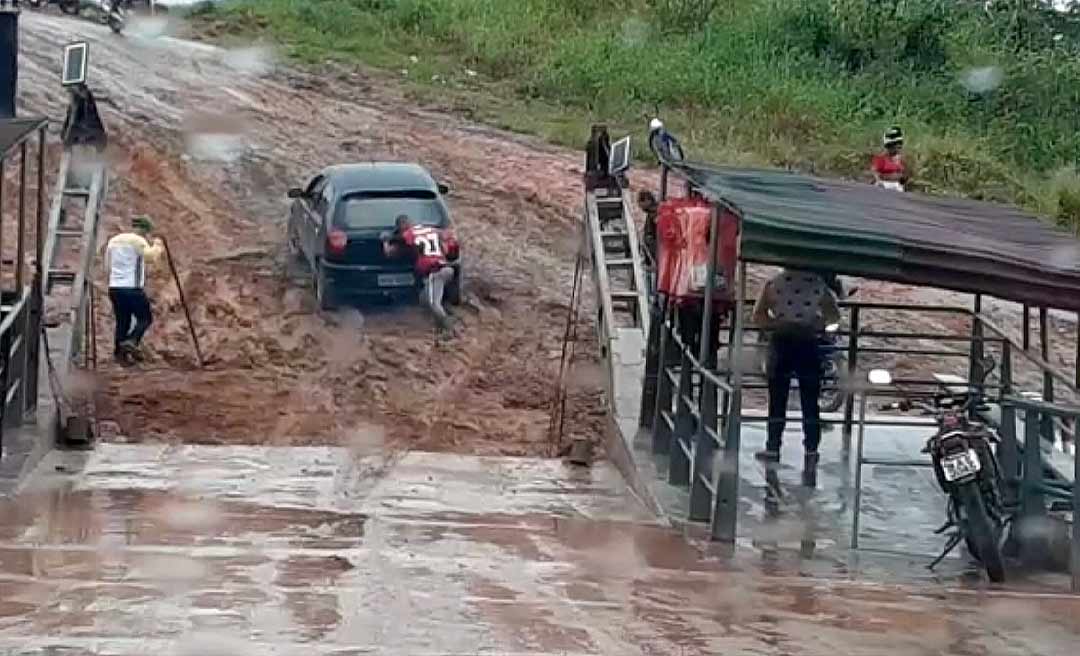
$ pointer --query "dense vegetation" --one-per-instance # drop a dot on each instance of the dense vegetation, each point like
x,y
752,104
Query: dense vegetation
x,y
988,93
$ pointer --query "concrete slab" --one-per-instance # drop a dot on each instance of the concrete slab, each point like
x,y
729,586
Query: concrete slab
x,y
259,550
901,506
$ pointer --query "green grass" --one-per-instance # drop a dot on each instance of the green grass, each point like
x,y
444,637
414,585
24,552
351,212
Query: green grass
x,y
807,84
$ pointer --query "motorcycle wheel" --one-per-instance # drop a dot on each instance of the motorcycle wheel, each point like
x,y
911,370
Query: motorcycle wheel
x,y
982,536
831,399
69,7
116,25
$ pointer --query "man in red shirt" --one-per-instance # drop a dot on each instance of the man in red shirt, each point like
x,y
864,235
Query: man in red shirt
x,y
433,249
888,167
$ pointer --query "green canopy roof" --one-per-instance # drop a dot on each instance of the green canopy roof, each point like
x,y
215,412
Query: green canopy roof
x,y
863,230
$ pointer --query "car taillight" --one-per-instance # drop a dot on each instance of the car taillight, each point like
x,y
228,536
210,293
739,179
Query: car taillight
x,y
336,241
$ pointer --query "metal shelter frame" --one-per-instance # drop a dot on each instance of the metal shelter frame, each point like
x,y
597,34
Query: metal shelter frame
x,y
694,408
21,296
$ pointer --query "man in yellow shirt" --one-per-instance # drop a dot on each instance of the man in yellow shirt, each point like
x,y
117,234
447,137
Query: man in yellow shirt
x,y
126,255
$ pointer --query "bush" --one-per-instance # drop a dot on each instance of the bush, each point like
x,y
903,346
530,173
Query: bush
x,y
804,83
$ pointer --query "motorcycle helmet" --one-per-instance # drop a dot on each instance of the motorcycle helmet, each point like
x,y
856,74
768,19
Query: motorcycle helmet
x,y
894,136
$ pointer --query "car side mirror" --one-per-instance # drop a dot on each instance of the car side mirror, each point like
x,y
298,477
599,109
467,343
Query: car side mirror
x,y
443,189
296,192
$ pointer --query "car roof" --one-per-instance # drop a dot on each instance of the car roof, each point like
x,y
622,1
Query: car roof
x,y
379,176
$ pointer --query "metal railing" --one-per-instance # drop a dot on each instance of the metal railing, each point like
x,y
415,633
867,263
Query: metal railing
x,y
15,363
21,303
696,412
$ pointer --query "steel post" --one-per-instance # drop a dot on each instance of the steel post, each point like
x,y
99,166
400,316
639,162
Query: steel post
x,y
726,508
1032,506
682,436
17,361
700,499
1032,502
664,386
1026,329
1008,451
853,365
707,348
20,239
1074,561
1047,430
704,449
5,375
650,385
857,502
3,166
37,284
976,353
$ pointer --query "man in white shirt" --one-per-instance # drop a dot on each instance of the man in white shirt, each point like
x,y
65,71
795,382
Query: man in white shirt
x,y
126,255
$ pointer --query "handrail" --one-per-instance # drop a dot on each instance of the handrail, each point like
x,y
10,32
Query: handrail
x,y
15,311
1034,359
1042,407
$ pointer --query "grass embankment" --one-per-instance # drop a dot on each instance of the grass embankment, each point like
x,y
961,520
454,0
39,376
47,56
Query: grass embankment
x,y
988,98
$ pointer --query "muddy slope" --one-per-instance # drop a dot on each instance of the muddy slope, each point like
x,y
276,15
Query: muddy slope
x,y
208,145
207,141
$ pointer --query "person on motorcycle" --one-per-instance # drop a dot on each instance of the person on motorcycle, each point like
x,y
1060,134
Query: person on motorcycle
x,y
888,166
794,308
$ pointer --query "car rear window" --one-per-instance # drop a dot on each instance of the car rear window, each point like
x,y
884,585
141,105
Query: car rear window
x,y
379,209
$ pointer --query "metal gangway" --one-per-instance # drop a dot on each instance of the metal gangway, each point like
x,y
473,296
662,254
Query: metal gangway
x,y
611,254
82,185
618,273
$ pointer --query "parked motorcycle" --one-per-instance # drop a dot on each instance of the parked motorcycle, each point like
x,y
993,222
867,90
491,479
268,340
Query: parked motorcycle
x,y
833,365
967,470
110,12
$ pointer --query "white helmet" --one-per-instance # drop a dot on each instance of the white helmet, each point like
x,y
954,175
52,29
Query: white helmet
x,y
656,124
893,136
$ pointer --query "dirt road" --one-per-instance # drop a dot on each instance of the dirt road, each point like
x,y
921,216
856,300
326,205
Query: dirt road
x,y
208,145
207,141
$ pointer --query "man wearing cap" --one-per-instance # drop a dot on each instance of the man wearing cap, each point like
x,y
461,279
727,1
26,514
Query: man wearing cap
x,y
126,255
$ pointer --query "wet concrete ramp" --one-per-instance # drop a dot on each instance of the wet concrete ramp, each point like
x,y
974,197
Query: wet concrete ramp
x,y
262,550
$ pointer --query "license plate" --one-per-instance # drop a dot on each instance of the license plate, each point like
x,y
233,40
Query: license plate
x,y
396,280
960,465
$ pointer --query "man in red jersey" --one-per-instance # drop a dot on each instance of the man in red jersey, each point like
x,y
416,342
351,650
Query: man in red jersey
x,y
433,249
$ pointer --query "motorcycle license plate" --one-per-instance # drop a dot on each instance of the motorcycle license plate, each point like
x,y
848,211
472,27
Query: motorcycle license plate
x,y
960,465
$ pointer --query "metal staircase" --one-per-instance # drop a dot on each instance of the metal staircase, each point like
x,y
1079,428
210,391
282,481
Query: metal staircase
x,y
69,251
623,318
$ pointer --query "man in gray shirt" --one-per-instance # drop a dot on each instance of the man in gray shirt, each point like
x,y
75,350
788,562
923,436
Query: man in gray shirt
x,y
794,308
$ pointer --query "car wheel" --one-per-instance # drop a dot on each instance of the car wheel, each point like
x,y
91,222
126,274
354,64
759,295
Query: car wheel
x,y
453,290
324,291
293,244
